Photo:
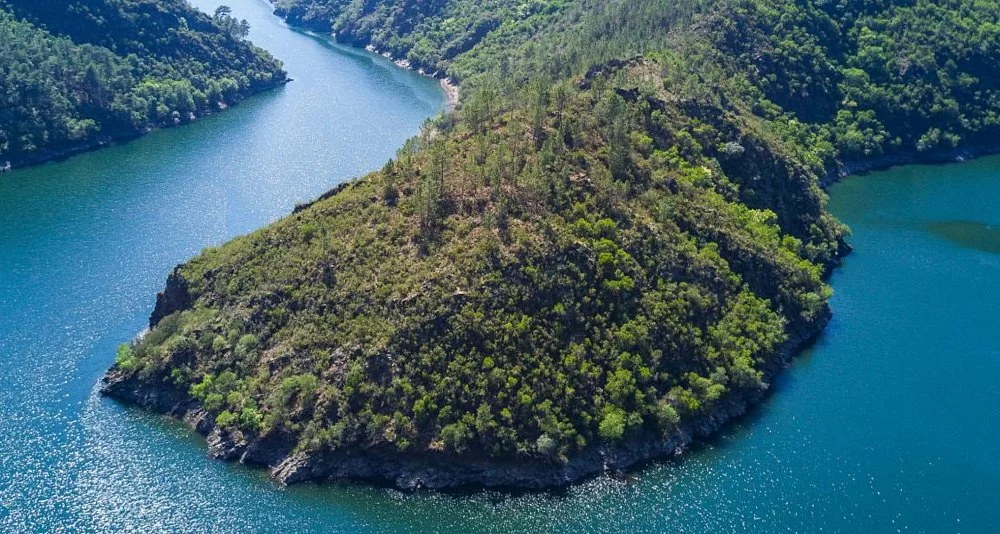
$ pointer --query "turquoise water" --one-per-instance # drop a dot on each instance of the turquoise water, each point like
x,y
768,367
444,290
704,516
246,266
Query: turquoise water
x,y
891,423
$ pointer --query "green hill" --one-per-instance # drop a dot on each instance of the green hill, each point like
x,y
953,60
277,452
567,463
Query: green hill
x,y
610,249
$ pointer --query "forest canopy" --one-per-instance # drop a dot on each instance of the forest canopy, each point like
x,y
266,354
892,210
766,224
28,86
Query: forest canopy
x,y
842,79
78,73
617,239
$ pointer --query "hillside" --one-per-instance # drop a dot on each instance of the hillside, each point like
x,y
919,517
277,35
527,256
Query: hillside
x,y
610,248
83,73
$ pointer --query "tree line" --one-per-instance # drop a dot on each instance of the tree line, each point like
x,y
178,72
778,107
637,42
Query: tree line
x,y
89,71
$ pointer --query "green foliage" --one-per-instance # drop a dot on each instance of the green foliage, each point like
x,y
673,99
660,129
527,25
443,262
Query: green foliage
x,y
870,78
226,419
618,233
125,357
428,326
545,445
444,28
456,437
612,426
86,71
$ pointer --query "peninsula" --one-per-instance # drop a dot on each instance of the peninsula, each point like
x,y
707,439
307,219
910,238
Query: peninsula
x,y
609,249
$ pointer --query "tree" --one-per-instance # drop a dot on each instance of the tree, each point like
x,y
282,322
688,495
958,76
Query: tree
x,y
612,426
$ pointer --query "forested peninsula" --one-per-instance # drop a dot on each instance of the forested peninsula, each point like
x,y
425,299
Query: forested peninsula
x,y
608,250
80,74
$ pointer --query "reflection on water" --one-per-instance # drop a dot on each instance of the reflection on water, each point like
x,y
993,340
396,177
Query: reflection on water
x,y
975,235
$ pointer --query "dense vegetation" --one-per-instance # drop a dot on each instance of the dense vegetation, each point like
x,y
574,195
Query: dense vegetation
x,y
618,236
78,73
521,300
842,79
427,34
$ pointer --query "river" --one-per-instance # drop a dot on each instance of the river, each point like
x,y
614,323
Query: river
x,y
888,424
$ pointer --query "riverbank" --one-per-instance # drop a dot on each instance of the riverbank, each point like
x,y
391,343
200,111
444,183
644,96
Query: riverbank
x,y
881,163
448,85
11,163
451,93
278,453
432,470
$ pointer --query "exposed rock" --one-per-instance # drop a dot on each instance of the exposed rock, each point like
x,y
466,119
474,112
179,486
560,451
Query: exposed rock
x,y
434,471
174,297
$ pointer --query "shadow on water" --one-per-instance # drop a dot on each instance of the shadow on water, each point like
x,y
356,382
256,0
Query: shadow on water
x,y
969,234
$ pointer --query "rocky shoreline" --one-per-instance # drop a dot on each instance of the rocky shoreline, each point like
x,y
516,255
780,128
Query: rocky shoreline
x,y
448,84
863,166
438,471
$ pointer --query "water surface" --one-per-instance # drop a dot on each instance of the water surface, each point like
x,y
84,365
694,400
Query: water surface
x,y
86,243
890,424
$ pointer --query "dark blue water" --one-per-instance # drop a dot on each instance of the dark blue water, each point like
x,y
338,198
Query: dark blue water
x,y
890,424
